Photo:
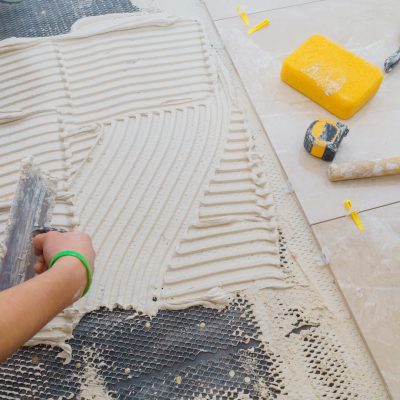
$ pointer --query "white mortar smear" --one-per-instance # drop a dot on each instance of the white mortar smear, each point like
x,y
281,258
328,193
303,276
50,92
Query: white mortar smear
x,y
136,118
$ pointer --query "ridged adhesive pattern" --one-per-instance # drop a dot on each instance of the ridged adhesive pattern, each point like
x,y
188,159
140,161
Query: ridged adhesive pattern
x,y
153,157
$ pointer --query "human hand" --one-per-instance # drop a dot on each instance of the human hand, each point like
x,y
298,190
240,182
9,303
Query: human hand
x,y
36,301
47,245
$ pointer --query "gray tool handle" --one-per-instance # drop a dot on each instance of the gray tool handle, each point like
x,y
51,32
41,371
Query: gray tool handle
x,y
392,61
45,229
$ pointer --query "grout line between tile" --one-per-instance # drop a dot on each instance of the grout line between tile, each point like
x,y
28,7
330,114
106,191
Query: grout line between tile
x,y
359,212
267,10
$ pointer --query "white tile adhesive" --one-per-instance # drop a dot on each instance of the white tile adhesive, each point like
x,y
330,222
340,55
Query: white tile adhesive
x,y
137,118
154,160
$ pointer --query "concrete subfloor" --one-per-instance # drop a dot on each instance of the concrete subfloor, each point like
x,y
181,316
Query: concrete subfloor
x,y
365,264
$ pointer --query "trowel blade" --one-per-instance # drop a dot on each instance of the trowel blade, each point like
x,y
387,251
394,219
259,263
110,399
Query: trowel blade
x,y
32,206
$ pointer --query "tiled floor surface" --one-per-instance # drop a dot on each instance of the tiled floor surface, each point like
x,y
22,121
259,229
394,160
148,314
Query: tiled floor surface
x,y
366,265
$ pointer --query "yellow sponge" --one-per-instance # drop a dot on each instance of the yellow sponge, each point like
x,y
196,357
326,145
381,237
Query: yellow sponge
x,y
332,76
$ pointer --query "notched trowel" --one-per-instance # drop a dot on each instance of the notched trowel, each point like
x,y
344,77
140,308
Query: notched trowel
x,y
31,209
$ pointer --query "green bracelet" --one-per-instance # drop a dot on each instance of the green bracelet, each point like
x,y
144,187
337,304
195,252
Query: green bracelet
x,y
82,259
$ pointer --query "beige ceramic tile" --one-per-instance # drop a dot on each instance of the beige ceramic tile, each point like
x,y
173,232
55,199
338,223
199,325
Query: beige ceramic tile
x,y
220,9
366,267
371,29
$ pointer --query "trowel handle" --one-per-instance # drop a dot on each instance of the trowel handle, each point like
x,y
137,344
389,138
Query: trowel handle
x,y
46,229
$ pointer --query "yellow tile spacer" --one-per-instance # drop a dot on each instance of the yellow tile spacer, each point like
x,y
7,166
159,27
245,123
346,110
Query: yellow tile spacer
x,y
353,214
243,15
258,26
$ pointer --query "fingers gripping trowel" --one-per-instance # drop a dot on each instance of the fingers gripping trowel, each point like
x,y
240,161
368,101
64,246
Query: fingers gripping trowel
x,y
31,208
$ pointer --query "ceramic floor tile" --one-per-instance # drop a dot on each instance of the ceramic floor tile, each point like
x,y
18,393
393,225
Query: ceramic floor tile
x,y
366,267
364,27
220,9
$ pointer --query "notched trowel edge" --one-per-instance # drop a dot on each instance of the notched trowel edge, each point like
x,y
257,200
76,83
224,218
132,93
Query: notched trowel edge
x,y
31,207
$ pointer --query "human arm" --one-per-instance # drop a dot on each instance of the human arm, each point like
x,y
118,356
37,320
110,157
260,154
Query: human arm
x,y
26,308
